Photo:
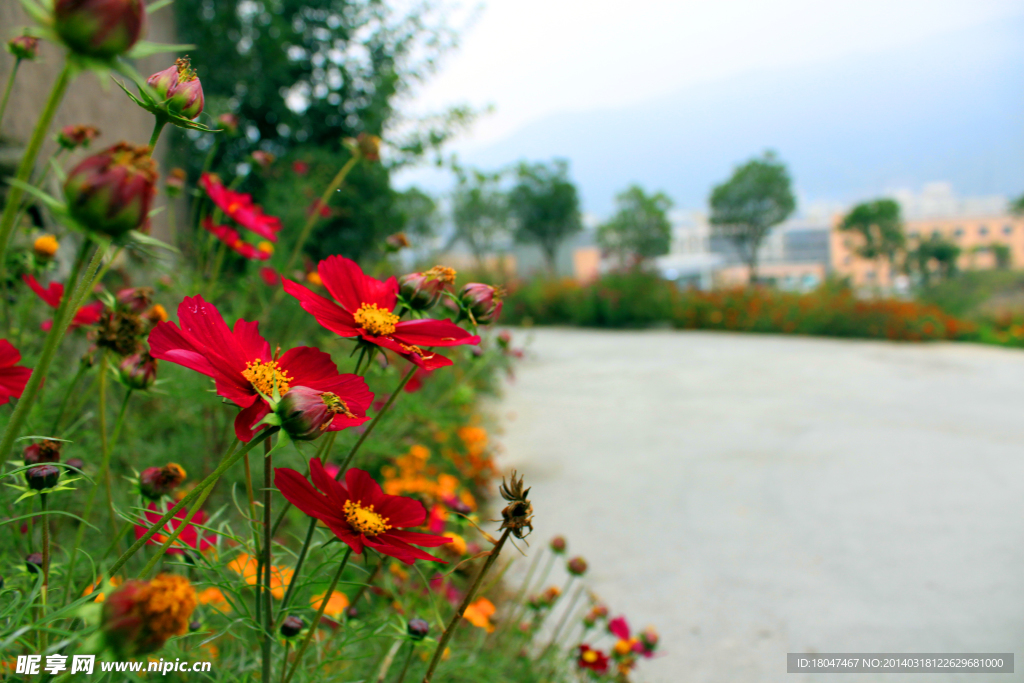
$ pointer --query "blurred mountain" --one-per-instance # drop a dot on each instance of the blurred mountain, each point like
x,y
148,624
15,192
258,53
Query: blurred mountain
x,y
949,108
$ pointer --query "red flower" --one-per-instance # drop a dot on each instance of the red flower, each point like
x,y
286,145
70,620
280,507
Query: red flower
x,y
619,628
270,276
415,382
359,513
235,242
13,377
240,207
300,167
365,308
240,362
191,536
86,315
592,659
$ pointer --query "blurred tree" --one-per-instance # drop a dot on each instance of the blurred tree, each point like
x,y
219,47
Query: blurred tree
x,y
745,207
302,75
479,211
934,256
640,228
545,206
418,214
879,226
1017,206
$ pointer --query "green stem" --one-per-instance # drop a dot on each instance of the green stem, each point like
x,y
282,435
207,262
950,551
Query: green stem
x,y
268,620
316,620
61,321
189,497
520,596
314,216
46,568
82,368
408,659
321,451
561,622
9,88
28,161
157,129
453,624
104,441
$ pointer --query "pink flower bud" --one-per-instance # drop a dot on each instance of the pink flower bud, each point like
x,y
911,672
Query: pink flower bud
x,y
23,47
138,370
156,482
99,28
422,290
307,413
577,566
42,477
482,301
263,159
111,192
179,86
229,122
558,544
135,299
73,137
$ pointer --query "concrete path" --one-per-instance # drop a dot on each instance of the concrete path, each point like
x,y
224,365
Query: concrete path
x,y
757,495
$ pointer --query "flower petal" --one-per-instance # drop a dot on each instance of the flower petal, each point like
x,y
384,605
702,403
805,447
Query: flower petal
x,y
429,332
326,312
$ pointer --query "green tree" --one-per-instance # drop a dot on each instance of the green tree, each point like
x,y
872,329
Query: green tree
x,y
545,206
1017,206
935,256
879,225
479,211
418,214
744,208
640,228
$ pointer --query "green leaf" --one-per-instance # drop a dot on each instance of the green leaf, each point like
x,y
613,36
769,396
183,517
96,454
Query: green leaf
x,y
157,6
50,201
145,240
36,11
145,48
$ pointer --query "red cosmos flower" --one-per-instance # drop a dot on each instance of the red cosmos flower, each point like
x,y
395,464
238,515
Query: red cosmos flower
x,y
365,308
235,242
240,362
270,276
359,513
190,537
13,377
240,207
619,628
86,315
595,660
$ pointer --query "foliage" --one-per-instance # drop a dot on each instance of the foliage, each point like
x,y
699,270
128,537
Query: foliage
x,y
1017,206
879,227
479,211
545,206
640,228
934,257
744,208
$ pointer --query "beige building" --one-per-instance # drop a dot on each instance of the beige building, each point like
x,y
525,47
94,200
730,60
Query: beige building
x,y
976,236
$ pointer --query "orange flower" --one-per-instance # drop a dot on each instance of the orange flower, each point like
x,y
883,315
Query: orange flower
x,y
336,604
115,581
280,577
214,597
479,614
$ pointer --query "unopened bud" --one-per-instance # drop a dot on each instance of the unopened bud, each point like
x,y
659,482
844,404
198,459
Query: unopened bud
x,y
175,183
34,563
138,370
577,566
76,463
111,192
23,47
307,413
418,629
73,137
558,545
369,146
42,477
292,626
99,28
422,290
483,302
180,88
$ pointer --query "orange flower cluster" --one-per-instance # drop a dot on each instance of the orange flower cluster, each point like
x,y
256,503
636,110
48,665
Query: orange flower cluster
x,y
411,475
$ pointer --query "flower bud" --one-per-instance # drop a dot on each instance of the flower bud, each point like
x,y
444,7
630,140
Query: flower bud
x,y
352,612
73,137
292,626
42,477
45,247
422,290
418,629
195,625
99,28
180,88
649,637
396,242
263,159
140,616
135,299
111,192
307,413
369,146
577,566
482,301
558,545
77,463
156,482
23,47
175,183
229,122
41,452
34,563
138,370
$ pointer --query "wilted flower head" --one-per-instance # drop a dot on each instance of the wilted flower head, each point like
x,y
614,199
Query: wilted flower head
x,y
138,370
135,299
111,192
180,88
140,616
47,450
518,514
156,482
422,290
23,47
119,330
73,137
577,566
45,246
99,28
481,303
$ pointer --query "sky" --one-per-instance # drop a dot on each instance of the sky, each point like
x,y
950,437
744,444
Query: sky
x,y
529,59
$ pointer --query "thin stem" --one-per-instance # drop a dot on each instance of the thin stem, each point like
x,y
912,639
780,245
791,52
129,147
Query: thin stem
x,y
189,497
157,129
314,215
316,620
28,162
563,619
46,546
61,321
9,88
408,659
268,621
104,441
521,595
385,666
284,660
453,624
369,579
82,368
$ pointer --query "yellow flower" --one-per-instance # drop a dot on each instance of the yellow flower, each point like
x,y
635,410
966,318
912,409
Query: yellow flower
x,y
168,605
157,312
115,581
266,247
336,605
45,246
458,543
479,614
313,278
214,597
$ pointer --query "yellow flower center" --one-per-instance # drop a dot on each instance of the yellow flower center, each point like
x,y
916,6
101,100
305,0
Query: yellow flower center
x,y
46,245
589,656
365,520
378,321
266,247
442,274
625,646
265,376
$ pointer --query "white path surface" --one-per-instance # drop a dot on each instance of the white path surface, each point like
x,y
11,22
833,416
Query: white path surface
x,y
758,495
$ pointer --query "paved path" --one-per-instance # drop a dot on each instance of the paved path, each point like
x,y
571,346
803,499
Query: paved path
x,y
756,495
